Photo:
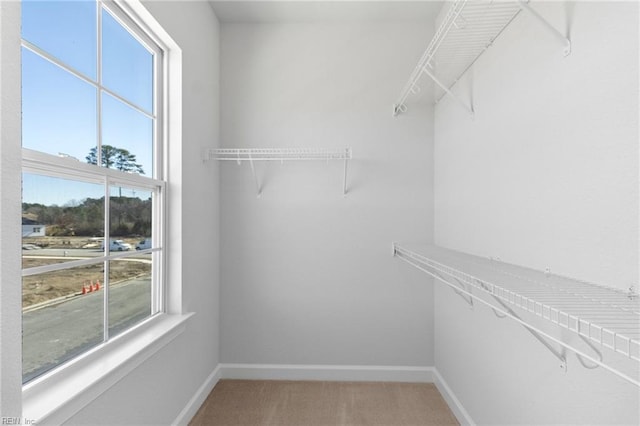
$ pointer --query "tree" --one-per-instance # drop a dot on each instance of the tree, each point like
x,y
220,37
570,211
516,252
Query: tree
x,y
115,158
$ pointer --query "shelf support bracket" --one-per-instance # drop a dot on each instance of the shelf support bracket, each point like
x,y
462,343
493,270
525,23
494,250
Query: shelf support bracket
x,y
565,41
486,288
449,92
344,185
255,176
462,293
560,354
399,108
592,346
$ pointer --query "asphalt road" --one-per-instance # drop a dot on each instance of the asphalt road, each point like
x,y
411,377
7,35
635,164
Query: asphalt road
x,y
57,333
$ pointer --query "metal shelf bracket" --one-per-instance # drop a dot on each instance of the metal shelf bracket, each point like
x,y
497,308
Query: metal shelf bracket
x,y
255,176
560,354
557,34
582,360
469,108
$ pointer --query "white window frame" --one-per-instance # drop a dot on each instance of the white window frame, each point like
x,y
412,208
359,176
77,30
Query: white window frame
x,y
59,394
60,166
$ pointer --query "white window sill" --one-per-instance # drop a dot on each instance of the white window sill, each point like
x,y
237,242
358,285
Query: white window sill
x,y
58,395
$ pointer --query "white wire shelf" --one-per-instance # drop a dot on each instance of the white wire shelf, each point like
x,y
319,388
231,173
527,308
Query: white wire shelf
x,y
468,29
601,316
279,154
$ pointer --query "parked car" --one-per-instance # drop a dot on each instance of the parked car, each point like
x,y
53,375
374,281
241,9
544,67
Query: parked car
x,y
117,245
144,244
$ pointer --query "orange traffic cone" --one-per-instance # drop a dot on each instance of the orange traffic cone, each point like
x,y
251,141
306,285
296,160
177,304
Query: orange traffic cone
x,y
97,286
84,289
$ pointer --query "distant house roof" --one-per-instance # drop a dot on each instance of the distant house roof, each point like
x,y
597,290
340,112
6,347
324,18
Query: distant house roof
x,y
27,221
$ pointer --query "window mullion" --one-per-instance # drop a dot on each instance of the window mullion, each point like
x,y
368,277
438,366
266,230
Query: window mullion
x,y
128,102
107,252
107,200
99,77
57,62
157,235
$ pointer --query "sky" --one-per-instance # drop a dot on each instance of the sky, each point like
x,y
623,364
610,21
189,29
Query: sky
x,y
59,109
63,192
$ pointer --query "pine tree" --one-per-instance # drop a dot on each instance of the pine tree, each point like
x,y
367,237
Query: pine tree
x,y
115,158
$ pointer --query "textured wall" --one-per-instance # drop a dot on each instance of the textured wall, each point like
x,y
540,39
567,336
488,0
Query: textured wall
x,y
10,202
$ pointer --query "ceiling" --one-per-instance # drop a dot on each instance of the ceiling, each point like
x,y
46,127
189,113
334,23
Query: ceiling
x,y
318,11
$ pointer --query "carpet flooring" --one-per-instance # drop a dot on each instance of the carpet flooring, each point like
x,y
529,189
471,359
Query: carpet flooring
x,y
317,403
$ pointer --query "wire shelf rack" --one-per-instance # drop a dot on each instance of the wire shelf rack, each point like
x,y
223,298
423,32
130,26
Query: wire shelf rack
x,y
598,314
467,29
279,154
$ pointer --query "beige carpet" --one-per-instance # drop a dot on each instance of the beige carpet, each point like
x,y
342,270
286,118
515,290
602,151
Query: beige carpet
x,y
279,403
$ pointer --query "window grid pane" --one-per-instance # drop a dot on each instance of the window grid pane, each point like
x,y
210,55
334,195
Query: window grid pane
x,y
127,138
129,292
135,81
59,329
65,29
54,101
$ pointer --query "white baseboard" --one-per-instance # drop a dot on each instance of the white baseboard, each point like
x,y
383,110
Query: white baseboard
x,y
452,401
190,410
324,372
327,372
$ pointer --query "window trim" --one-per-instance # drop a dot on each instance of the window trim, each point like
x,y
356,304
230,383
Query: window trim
x,y
159,330
59,394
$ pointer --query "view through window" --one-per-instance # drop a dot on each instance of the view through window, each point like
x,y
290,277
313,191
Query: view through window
x,y
92,184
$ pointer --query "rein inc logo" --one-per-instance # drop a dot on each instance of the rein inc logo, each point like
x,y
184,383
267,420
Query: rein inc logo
x,y
16,421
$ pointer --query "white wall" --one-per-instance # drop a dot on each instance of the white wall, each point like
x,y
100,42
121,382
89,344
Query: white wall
x,y
157,391
307,274
546,175
10,212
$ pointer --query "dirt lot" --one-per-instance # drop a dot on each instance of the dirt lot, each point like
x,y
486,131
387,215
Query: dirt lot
x,y
51,285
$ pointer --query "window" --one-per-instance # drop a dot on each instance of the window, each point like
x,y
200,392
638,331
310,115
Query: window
x,y
92,179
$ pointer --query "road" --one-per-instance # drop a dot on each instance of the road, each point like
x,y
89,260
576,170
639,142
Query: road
x,y
57,333
72,253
